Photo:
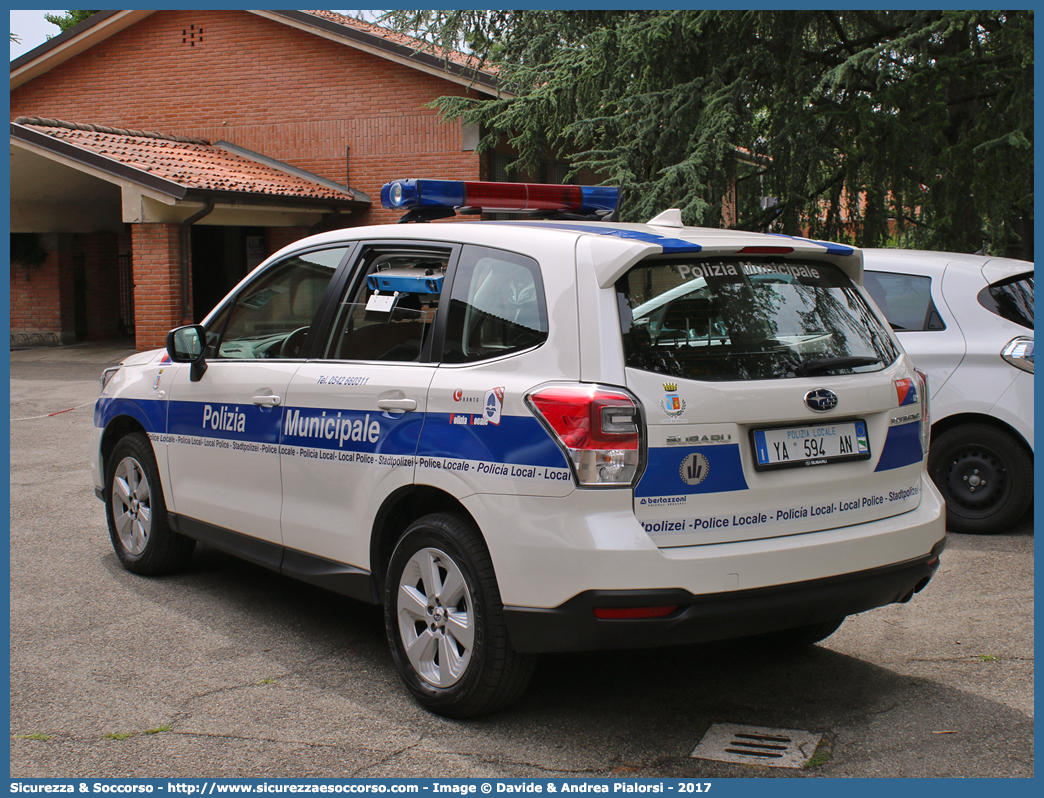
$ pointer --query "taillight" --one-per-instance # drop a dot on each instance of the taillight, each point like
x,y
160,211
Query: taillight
x,y
1019,352
599,428
926,413
633,613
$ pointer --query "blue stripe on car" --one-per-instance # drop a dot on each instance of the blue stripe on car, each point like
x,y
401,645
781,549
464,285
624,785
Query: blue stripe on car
x,y
670,245
662,476
150,413
517,440
902,447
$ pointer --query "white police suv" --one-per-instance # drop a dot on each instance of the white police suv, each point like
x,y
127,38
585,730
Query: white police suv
x,y
541,435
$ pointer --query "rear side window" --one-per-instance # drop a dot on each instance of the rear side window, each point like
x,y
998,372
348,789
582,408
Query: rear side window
x,y
1011,299
737,319
905,300
497,307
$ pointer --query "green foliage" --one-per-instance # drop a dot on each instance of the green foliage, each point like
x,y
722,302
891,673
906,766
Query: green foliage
x,y
69,19
820,758
868,126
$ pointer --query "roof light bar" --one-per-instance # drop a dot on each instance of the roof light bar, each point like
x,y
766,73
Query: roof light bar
x,y
423,193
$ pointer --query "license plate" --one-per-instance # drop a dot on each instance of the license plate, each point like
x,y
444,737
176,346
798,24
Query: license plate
x,y
810,445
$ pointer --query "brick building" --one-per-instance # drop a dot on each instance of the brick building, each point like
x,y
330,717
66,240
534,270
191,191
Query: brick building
x,y
157,156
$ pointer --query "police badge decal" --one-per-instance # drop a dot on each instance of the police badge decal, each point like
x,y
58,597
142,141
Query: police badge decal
x,y
672,404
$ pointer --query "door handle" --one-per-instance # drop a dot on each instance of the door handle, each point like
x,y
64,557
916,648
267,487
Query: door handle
x,y
267,400
397,404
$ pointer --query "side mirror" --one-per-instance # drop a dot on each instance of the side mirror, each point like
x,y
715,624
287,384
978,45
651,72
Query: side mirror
x,y
185,345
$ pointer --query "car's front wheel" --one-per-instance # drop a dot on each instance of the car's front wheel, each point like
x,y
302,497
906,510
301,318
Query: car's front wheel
x,y
137,513
985,475
444,620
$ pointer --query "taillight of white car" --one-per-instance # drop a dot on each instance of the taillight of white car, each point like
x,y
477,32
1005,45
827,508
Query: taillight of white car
x,y
926,411
598,427
1019,352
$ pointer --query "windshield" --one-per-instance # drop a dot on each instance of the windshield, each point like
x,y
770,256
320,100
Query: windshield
x,y
733,319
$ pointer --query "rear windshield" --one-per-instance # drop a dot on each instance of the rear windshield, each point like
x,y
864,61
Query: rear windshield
x,y
742,319
1011,299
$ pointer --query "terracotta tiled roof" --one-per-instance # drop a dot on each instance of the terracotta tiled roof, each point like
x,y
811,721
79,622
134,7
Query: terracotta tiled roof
x,y
401,38
192,163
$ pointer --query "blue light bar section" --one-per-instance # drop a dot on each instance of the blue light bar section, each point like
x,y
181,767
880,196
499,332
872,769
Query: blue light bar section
x,y
600,198
405,283
405,194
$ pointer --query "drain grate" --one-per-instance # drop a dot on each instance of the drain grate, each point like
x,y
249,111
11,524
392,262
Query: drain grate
x,y
757,745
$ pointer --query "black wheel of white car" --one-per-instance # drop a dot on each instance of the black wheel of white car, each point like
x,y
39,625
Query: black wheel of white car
x,y
985,476
444,620
137,514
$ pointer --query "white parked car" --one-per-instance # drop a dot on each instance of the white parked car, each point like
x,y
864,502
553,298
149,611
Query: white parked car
x,y
967,320
534,436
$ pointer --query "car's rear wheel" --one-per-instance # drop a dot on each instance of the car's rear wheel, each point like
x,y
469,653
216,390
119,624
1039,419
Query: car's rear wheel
x,y
984,474
444,620
137,513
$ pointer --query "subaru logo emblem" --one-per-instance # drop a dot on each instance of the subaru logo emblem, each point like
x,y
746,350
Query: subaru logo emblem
x,y
821,400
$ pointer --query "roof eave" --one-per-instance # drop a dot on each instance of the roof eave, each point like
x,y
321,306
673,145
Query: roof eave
x,y
121,171
272,163
126,173
61,48
414,58
102,25
246,198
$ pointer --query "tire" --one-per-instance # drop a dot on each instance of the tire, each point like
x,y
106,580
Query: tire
x,y
137,514
985,475
799,636
445,624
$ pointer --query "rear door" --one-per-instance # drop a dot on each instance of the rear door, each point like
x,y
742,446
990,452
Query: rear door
x,y
354,412
480,437
912,300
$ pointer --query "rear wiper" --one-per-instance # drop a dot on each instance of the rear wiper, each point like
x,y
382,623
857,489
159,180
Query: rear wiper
x,y
827,363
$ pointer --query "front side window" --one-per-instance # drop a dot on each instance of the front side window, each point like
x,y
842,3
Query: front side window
x,y
1011,299
390,312
497,307
270,316
735,319
905,300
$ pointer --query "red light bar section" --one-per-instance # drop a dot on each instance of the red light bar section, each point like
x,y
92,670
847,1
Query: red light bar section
x,y
766,250
522,196
631,613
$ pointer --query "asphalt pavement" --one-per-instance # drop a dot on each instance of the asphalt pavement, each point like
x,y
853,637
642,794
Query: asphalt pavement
x,y
230,670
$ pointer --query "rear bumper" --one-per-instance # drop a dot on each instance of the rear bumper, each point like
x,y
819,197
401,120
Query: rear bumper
x,y
573,626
